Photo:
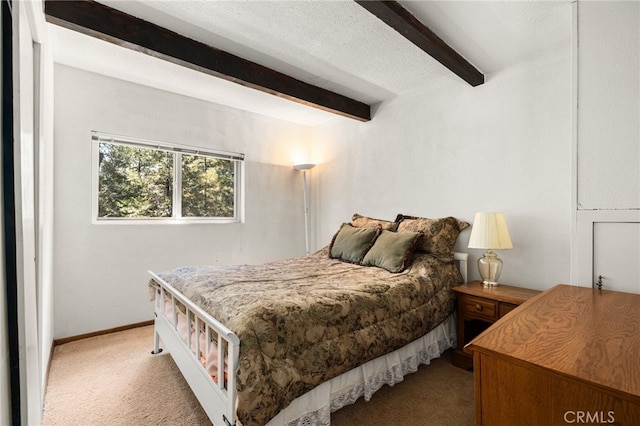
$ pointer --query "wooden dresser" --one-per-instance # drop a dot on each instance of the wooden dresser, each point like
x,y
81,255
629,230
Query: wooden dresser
x,y
569,355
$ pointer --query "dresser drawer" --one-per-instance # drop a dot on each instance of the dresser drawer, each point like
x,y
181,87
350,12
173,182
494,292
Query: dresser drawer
x,y
479,307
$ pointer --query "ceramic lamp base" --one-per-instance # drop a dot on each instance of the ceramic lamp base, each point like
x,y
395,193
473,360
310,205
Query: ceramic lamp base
x,y
490,268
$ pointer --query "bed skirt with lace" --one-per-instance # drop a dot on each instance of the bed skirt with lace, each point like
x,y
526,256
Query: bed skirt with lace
x,y
315,407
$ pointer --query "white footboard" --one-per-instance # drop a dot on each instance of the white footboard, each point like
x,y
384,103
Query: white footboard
x,y
205,351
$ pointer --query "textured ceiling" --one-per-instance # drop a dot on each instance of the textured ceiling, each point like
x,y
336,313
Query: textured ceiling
x,y
336,45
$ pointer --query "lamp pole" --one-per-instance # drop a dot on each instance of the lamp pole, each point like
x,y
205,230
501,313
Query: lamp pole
x,y
304,168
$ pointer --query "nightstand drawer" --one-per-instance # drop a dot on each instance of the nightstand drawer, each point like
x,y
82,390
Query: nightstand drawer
x,y
477,306
505,308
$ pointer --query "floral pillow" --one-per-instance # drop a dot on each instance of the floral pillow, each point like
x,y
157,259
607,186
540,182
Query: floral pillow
x,y
440,234
360,221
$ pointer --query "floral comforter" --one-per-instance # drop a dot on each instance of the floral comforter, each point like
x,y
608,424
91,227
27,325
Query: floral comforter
x,y
304,321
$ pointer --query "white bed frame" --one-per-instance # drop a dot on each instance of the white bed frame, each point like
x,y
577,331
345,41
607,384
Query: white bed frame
x,y
218,398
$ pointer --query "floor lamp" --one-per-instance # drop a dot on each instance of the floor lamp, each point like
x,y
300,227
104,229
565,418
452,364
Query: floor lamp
x,y
304,168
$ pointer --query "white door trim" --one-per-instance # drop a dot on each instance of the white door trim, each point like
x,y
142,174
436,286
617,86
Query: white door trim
x,y
582,258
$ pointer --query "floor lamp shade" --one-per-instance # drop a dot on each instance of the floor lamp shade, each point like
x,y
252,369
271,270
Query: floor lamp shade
x,y
490,232
306,166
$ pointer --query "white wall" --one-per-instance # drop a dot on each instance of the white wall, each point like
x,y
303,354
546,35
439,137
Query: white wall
x,y
506,145
609,105
503,146
100,269
607,147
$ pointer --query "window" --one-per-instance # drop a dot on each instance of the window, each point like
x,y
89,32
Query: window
x,y
135,179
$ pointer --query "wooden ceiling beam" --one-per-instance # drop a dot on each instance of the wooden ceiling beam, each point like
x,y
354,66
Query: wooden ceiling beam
x,y
401,20
98,20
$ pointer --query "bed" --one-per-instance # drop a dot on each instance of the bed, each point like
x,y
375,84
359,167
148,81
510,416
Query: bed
x,y
288,342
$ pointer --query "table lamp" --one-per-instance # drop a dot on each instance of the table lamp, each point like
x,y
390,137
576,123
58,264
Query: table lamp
x,y
490,232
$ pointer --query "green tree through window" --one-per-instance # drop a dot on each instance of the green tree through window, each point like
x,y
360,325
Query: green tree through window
x,y
134,182
207,187
138,182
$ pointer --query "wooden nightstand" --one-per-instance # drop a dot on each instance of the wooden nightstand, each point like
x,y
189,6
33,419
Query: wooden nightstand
x,y
478,308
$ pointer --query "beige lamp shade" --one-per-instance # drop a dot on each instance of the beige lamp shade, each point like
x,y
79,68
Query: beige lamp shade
x,y
490,231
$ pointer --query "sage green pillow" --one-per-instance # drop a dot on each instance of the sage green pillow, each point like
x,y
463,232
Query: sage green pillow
x,y
351,244
392,250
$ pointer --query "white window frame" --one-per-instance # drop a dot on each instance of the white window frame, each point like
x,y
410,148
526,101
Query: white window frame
x,y
177,150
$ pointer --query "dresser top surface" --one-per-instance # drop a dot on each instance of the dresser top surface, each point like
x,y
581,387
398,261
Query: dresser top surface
x,y
588,334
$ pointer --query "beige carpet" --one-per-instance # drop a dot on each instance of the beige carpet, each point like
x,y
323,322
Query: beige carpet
x,y
114,380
